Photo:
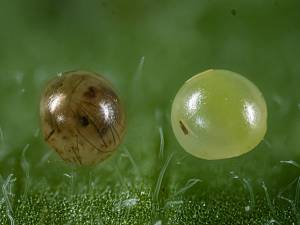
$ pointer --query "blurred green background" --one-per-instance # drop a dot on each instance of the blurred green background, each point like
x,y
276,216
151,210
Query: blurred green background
x,y
147,49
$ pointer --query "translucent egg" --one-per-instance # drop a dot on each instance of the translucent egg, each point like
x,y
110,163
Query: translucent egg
x,y
219,114
82,117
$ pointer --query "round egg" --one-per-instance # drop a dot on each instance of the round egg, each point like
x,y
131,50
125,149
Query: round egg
x,y
82,117
219,114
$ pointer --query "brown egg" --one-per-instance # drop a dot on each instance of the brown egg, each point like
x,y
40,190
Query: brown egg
x,y
82,117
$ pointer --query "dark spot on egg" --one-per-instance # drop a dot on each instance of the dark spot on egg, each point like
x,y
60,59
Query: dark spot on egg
x,y
84,121
183,128
90,93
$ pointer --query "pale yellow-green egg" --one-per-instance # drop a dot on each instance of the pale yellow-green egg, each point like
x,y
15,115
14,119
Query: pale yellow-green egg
x,y
219,114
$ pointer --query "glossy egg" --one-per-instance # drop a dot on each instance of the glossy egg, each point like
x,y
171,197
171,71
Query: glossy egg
x,y
82,117
219,114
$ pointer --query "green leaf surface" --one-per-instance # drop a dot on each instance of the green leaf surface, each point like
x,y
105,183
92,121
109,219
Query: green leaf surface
x,y
147,49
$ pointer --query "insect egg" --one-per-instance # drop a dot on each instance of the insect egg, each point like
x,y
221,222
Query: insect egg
x,y
218,114
82,117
